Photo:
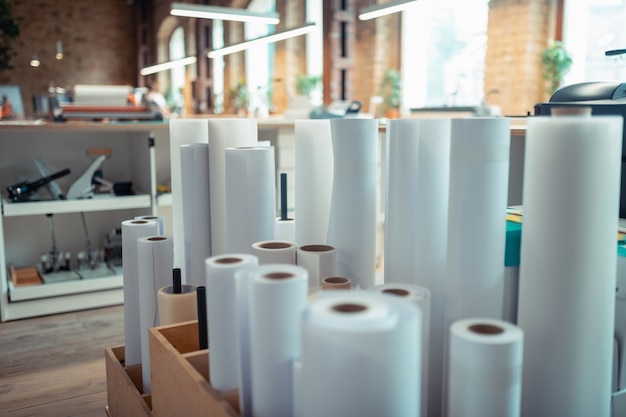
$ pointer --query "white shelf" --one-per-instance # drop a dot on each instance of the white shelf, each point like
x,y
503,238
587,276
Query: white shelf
x,y
64,288
97,203
164,199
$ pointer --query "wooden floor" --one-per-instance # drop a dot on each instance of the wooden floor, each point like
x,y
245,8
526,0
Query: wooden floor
x,y
54,365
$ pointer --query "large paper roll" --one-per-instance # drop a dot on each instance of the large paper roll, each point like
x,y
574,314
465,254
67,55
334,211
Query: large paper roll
x,y
420,296
285,230
485,369
225,133
275,252
479,163
155,259
250,197
131,231
360,356
568,260
182,131
196,210
431,229
314,180
401,200
275,335
319,260
352,223
177,307
221,293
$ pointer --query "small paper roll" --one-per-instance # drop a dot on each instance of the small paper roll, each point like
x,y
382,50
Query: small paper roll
x,y
285,230
177,307
485,378
336,283
319,260
274,252
159,219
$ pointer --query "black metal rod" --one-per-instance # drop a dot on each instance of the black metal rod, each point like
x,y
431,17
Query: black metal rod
x,y
203,330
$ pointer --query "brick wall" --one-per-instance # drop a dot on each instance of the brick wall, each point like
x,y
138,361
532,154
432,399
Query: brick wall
x,y
99,45
517,33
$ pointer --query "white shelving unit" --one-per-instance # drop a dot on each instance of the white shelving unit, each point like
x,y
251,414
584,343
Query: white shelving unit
x,y
24,228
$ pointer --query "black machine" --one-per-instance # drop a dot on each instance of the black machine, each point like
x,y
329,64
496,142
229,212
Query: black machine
x,y
604,98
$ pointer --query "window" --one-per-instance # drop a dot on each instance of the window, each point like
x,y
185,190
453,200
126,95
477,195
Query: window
x,y
177,75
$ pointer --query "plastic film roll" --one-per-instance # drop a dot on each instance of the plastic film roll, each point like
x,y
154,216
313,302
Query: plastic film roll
x,y
313,180
155,258
182,131
275,335
335,283
352,223
221,292
196,209
360,356
177,307
319,260
250,197
567,267
485,368
275,252
421,298
225,133
131,231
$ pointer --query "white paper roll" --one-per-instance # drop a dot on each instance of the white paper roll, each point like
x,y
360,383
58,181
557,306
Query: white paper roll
x,y
275,252
313,180
159,219
568,261
485,369
352,223
131,231
401,200
196,209
182,131
431,229
285,230
155,260
250,197
420,297
360,356
319,260
101,95
225,133
275,335
177,307
221,293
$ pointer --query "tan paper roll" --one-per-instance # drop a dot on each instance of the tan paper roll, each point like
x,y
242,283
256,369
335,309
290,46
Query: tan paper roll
x,y
336,283
177,307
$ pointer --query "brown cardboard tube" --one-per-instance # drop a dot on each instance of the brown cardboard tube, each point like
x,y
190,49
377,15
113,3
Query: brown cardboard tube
x,y
177,308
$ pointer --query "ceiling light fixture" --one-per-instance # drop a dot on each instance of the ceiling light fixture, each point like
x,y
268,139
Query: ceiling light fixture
x,y
35,61
274,37
168,65
378,10
59,54
222,13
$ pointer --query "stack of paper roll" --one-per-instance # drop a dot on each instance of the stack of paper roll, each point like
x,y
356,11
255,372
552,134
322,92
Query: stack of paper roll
x,y
250,196
352,220
568,261
319,260
131,231
155,259
360,356
221,291
485,378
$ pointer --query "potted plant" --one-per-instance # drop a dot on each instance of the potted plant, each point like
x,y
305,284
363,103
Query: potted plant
x,y
240,98
391,91
556,62
9,31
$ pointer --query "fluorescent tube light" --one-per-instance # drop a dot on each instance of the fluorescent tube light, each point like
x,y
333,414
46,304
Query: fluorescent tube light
x,y
168,65
274,37
378,10
222,13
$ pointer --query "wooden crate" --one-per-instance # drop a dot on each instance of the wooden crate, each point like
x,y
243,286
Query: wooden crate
x,y
180,376
124,387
